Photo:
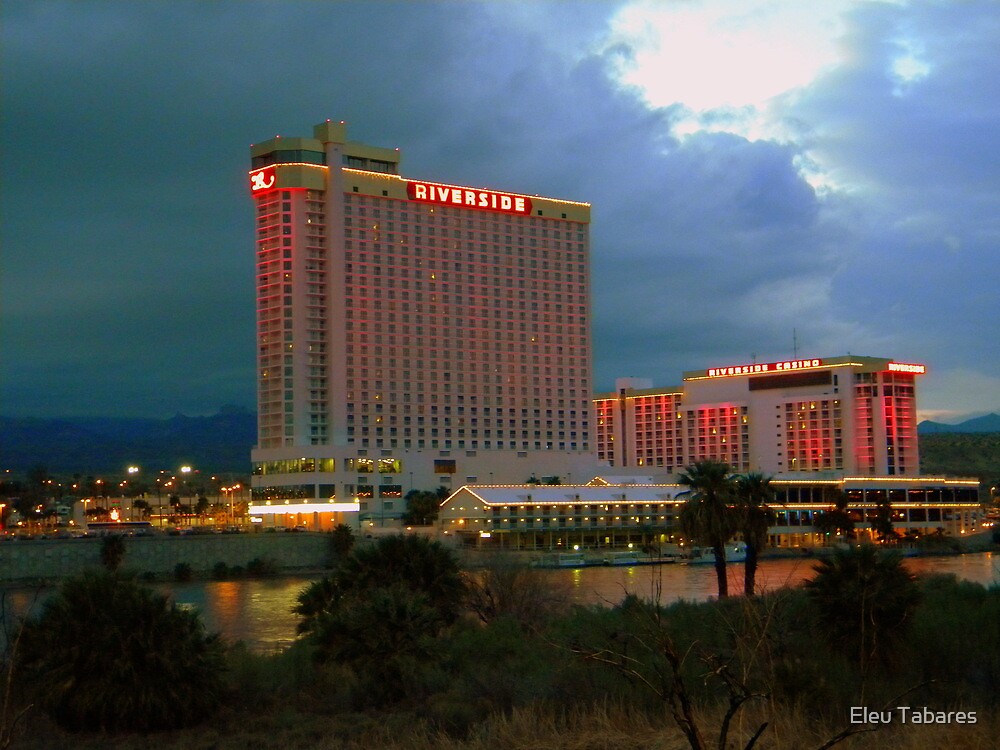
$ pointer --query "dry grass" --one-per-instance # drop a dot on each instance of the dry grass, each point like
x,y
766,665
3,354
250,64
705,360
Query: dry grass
x,y
533,728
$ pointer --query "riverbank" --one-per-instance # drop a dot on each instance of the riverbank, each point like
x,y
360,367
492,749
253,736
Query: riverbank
x,y
47,561
42,562
502,684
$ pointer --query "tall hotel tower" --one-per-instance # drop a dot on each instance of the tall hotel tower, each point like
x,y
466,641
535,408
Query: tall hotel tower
x,y
410,334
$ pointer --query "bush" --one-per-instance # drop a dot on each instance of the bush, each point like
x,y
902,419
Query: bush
x,y
414,563
220,570
341,542
381,614
106,654
112,552
865,600
182,572
262,566
505,588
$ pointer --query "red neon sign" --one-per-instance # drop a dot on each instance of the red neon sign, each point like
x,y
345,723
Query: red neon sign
x,y
765,367
462,197
903,367
262,179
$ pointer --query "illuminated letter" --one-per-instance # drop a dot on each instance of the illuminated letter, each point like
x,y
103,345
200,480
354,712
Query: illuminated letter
x,y
505,202
519,205
419,191
470,198
484,199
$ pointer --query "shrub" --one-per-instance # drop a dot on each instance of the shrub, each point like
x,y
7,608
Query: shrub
x,y
341,542
106,654
414,563
505,588
262,566
182,572
381,614
865,600
112,552
220,570
387,636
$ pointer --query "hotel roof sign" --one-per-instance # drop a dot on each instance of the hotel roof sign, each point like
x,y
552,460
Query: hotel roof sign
x,y
465,197
756,368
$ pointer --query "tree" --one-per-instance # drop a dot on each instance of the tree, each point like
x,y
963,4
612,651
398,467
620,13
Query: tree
x,y
881,521
753,495
38,480
837,520
112,552
143,507
342,541
201,506
385,636
106,654
708,516
421,508
505,588
865,600
417,564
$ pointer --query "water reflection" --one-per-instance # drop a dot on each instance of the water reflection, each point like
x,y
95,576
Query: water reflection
x,y
259,611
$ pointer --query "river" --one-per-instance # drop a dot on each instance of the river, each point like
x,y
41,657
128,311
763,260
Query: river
x,y
258,611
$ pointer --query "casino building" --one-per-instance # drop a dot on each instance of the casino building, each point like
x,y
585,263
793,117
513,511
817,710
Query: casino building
x,y
848,415
820,428
826,431
410,334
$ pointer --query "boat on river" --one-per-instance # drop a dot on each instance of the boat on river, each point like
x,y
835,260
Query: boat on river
x,y
624,557
562,560
735,552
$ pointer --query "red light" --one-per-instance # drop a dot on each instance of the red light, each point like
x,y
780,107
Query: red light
x,y
910,368
262,180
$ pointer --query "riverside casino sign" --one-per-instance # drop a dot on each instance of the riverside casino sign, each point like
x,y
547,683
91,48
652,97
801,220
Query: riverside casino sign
x,y
793,365
463,197
764,367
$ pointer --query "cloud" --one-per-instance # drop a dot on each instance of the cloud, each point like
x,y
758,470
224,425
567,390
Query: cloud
x,y
867,224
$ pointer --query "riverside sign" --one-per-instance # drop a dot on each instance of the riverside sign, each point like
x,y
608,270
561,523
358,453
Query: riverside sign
x,y
462,197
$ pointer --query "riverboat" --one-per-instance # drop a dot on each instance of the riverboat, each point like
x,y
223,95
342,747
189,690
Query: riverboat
x,y
562,560
626,557
735,552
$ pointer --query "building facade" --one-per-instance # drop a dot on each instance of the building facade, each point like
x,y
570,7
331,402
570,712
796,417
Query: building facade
x,y
410,334
847,415
641,512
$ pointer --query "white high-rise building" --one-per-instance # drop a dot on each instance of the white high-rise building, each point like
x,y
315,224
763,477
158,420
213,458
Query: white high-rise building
x,y
410,334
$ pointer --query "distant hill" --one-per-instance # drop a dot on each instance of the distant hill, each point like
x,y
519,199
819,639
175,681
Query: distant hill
x,y
986,423
219,443
964,454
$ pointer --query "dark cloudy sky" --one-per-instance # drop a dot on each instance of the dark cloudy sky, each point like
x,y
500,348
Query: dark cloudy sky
x,y
754,168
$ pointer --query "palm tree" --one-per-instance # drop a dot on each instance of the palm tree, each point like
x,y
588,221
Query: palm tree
x,y
838,520
866,600
754,493
708,516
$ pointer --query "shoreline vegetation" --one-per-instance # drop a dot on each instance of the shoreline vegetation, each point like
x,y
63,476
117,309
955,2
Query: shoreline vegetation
x,y
401,647
470,558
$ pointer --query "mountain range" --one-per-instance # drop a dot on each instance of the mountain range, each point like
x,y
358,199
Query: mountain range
x,y
215,444
985,423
